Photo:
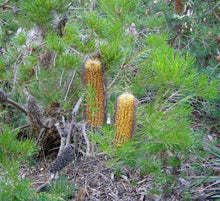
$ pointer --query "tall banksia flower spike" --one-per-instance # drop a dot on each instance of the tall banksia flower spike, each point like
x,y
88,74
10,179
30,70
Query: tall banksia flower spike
x,y
93,78
125,117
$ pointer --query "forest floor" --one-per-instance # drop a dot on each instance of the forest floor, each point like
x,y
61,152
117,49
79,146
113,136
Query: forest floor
x,y
95,180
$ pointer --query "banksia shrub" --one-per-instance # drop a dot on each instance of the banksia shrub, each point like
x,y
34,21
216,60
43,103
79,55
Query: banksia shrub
x,y
124,117
93,79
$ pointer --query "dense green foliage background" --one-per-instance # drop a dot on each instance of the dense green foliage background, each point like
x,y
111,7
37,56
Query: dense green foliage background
x,y
167,61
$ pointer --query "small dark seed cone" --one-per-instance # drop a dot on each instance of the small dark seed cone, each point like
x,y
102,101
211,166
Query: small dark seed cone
x,y
34,112
62,160
3,97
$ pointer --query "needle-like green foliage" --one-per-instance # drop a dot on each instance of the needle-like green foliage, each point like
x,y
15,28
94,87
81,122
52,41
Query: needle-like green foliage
x,y
166,60
41,11
12,153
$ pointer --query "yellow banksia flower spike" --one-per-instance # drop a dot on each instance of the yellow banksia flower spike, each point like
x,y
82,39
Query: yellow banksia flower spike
x,y
94,79
124,117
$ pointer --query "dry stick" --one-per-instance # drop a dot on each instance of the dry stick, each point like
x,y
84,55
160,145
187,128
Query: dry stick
x,y
3,4
16,105
54,59
7,6
4,98
213,11
113,81
62,141
36,73
76,108
73,122
80,54
40,136
15,71
214,69
216,6
62,147
218,182
21,128
86,139
13,8
61,77
74,74
190,41
75,92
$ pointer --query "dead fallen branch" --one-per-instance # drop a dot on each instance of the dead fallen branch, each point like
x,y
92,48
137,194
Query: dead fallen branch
x,y
4,98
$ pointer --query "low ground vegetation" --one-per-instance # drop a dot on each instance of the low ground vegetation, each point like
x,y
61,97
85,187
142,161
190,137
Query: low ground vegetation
x,y
165,53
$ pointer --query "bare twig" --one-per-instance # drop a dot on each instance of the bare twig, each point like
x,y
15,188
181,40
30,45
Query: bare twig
x,y
16,105
173,39
213,184
80,54
15,70
74,74
75,92
113,81
214,69
62,140
216,6
54,59
108,119
21,127
3,4
13,8
86,139
73,122
76,108
4,98
213,11
44,186
189,43
61,77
